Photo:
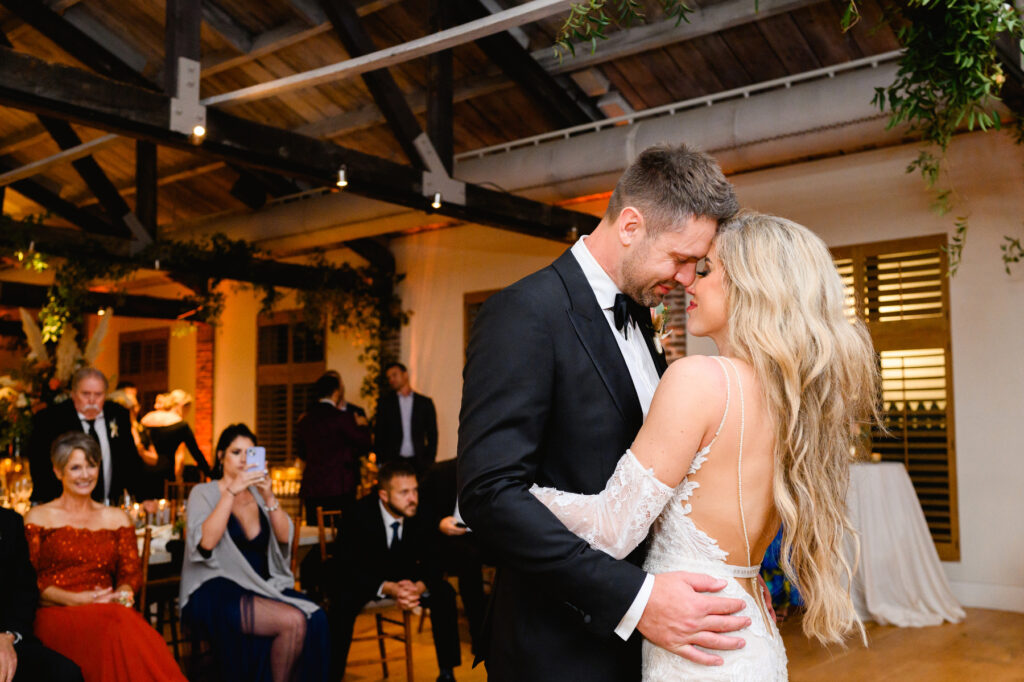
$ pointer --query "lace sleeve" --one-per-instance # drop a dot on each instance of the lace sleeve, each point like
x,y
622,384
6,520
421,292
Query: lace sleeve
x,y
129,566
617,519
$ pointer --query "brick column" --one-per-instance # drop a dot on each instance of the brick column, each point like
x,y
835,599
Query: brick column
x,y
204,389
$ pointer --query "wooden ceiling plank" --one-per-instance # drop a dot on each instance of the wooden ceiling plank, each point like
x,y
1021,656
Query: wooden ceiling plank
x,y
413,49
26,137
287,34
226,25
704,21
56,90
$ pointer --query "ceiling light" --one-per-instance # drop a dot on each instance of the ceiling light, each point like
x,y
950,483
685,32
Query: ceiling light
x,y
436,203
342,181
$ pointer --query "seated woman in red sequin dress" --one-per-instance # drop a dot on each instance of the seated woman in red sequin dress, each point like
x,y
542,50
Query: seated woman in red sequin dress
x,y
87,562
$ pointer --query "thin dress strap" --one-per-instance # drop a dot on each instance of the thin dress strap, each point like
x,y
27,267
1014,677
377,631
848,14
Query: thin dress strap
x,y
739,465
728,397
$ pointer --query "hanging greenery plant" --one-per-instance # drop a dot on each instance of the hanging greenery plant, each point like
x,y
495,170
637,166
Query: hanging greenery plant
x,y
358,301
588,21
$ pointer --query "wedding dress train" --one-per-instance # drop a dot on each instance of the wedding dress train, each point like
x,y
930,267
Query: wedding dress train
x,y
635,502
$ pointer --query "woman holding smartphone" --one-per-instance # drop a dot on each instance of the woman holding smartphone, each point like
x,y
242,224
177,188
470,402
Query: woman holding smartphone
x,y
236,585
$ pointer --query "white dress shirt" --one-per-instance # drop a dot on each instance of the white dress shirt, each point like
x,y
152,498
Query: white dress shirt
x,y
642,371
100,426
389,532
405,411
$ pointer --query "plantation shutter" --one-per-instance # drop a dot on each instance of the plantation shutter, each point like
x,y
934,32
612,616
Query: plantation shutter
x,y
290,358
900,289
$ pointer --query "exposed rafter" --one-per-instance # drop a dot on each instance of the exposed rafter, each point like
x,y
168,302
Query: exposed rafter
x,y
562,101
381,84
225,25
20,295
53,203
30,83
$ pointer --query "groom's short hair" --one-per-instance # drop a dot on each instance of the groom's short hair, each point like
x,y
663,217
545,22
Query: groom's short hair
x,y
672,184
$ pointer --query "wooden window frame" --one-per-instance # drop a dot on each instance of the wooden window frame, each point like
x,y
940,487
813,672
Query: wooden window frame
x,y
147,383
289,374
910,334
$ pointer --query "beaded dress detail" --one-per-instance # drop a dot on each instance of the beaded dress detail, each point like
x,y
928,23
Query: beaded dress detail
x,y
634,502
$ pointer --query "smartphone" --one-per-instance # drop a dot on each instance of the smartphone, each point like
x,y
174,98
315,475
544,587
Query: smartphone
x,y
256,458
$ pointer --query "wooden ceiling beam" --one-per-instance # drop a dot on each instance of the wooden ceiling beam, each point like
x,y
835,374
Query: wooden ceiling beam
x,y
146,185
75,41
382,86
703,21
21,295
440,91
559,97
30,83
52,202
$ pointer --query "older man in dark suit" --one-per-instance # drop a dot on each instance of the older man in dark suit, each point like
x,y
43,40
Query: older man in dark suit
x,y
406,423
89,412
22,655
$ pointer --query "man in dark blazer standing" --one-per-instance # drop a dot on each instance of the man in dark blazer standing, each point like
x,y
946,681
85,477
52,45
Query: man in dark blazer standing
x,y
21,653
384,551
107,422
560,372
330,437
406,423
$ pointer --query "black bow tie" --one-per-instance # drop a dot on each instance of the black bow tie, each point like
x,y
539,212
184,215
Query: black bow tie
x,y
626,309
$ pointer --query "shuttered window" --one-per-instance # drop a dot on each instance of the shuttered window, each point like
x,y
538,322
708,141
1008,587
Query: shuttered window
x,y
142,360
901,291
289,360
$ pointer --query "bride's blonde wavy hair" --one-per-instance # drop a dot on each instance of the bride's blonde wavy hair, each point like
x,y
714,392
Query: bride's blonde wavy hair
x,y
819,377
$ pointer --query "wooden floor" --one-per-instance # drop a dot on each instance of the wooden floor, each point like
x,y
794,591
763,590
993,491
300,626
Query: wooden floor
x,y
987,646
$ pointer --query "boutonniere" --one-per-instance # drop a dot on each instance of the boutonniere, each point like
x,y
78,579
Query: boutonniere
x,y
113,429
659,321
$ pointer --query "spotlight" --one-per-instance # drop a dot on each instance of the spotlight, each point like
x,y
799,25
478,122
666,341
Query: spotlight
x,y
101,312
198,134
436,203
342,181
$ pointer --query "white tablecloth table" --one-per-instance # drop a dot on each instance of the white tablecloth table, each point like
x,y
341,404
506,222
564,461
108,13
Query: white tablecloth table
x,y
899,580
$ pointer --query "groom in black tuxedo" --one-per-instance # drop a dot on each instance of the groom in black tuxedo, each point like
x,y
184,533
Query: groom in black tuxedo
x,y
89,412
559,375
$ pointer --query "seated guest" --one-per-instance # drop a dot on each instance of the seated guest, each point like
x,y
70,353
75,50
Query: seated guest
x,y
87,561
384,550
21,653
236,585
172,437
107,422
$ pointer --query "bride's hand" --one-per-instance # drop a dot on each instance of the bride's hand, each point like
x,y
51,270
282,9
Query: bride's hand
x,y
679,615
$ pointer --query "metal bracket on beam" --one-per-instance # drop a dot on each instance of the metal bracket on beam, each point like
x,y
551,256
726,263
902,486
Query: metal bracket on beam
x,y
452,191
186,111
436,180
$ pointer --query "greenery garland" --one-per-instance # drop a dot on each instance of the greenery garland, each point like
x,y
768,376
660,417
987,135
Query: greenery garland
x,y
949,76
359,301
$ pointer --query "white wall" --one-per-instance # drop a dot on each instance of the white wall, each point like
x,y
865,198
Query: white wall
x,y
441,267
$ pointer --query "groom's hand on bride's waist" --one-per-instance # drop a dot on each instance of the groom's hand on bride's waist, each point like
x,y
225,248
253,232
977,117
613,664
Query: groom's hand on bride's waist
x,y
683,611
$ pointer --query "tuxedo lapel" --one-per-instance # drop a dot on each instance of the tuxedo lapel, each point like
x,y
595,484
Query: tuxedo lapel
x,y
593,331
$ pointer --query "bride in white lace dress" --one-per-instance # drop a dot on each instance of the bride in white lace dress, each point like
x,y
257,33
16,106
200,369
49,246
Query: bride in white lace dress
x,y
736,445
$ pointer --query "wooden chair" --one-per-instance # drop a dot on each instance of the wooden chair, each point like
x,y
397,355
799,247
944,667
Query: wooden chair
x,y
178,491
325,520
297,521
383,611
167,600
